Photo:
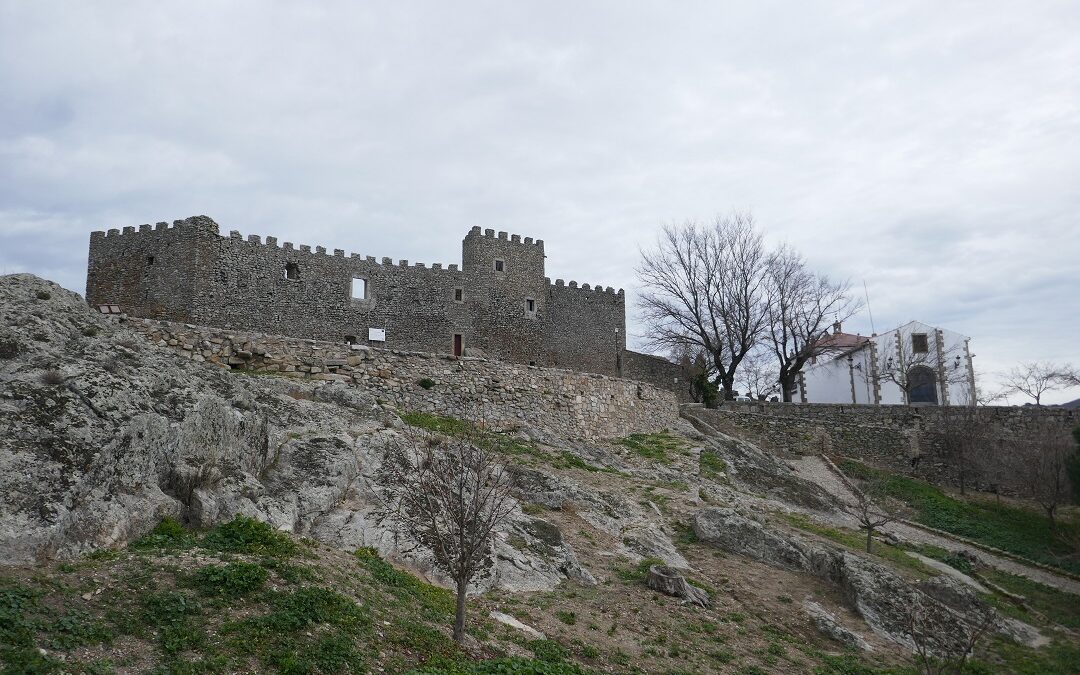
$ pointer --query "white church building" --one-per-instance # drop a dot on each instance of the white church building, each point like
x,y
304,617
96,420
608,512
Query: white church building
x,y
914,364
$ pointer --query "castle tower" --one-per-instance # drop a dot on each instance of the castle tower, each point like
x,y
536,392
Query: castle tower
x,y
504,292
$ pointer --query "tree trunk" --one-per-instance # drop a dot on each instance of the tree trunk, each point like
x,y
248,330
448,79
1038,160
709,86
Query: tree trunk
x,y
869,539
1053,522
459,617
668,581
787,386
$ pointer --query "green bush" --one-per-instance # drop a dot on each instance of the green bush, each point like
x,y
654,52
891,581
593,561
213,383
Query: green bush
x,y
548,651
169,534
426,382
247,535
171,613
233,580
505,666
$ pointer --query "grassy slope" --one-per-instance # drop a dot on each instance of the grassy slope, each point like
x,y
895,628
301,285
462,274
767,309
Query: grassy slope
x,y
1022,531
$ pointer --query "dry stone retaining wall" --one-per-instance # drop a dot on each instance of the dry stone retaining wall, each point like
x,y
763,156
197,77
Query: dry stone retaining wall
x,y
883,435
502,394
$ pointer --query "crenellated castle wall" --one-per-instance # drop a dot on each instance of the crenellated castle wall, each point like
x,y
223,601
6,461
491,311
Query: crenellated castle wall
x,y
497,302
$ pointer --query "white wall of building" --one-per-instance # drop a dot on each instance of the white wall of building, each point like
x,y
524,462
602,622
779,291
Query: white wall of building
x,y
895,352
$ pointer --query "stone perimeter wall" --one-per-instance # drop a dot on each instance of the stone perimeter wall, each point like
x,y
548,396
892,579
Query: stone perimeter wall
x,y
883,435
502,394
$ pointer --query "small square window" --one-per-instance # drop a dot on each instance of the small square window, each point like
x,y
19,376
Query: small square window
x,y
459,295
292,271
359,288
530,305
500,265
919,343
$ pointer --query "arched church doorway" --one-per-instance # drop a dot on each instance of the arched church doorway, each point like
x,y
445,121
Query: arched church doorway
x,y
922,385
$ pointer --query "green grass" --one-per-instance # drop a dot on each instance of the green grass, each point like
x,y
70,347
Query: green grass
x,y
437,603
1010,528
654,446
711,465
856,540
463,429
1058,607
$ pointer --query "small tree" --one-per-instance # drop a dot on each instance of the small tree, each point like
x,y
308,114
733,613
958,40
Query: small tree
x,y
873,509
706,286
450,497
936,654
800,307
1034,379
962,435
1041,466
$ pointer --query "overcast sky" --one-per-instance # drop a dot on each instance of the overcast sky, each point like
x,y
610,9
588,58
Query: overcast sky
x,y
931,149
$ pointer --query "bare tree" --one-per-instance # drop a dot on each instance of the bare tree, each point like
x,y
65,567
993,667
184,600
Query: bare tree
x,y
450,497
758,375
800,307
706,286
1033,379
936,654
873,508
1040,464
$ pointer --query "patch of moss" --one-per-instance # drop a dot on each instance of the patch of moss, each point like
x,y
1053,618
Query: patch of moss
x,y
655,446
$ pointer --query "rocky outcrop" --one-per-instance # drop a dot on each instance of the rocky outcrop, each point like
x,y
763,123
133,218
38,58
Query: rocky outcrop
x,y
883,598
103,433
830,626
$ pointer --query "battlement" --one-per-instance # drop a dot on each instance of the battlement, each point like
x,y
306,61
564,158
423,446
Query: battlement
x,y
194,223
573,286
512,238
305,249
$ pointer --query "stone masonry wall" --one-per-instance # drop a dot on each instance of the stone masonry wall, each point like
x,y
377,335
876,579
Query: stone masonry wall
x,y
498,301
504,395
658,371
883,435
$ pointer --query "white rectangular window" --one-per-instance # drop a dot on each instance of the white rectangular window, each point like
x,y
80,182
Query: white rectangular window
x,y
359,289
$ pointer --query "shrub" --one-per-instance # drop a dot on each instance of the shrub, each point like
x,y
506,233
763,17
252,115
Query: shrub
x,y
426,382
247,535
170,612
52,377
569,618
233,580
548,651
90,330
43,295
169,534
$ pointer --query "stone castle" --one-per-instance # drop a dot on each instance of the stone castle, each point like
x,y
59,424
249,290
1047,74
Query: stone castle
x,y
498,303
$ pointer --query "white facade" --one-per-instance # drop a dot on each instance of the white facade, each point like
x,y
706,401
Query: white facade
x,y
914,364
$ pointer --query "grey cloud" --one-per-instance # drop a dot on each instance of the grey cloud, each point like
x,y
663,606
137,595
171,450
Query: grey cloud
x,y
932,149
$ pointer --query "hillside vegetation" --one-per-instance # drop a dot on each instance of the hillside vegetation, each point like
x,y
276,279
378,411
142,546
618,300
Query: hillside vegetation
x,y
158,515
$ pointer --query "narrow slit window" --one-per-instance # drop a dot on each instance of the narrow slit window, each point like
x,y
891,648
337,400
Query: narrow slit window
x,y
359,288
459,295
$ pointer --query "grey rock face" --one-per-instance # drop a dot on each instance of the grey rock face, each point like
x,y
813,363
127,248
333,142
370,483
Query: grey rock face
x,y
881,597
102,434
830,626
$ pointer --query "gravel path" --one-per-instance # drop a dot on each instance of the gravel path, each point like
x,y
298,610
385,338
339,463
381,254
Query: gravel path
x,y
814,469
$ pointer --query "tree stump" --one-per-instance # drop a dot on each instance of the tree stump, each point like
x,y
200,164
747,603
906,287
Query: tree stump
x,y
668,581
